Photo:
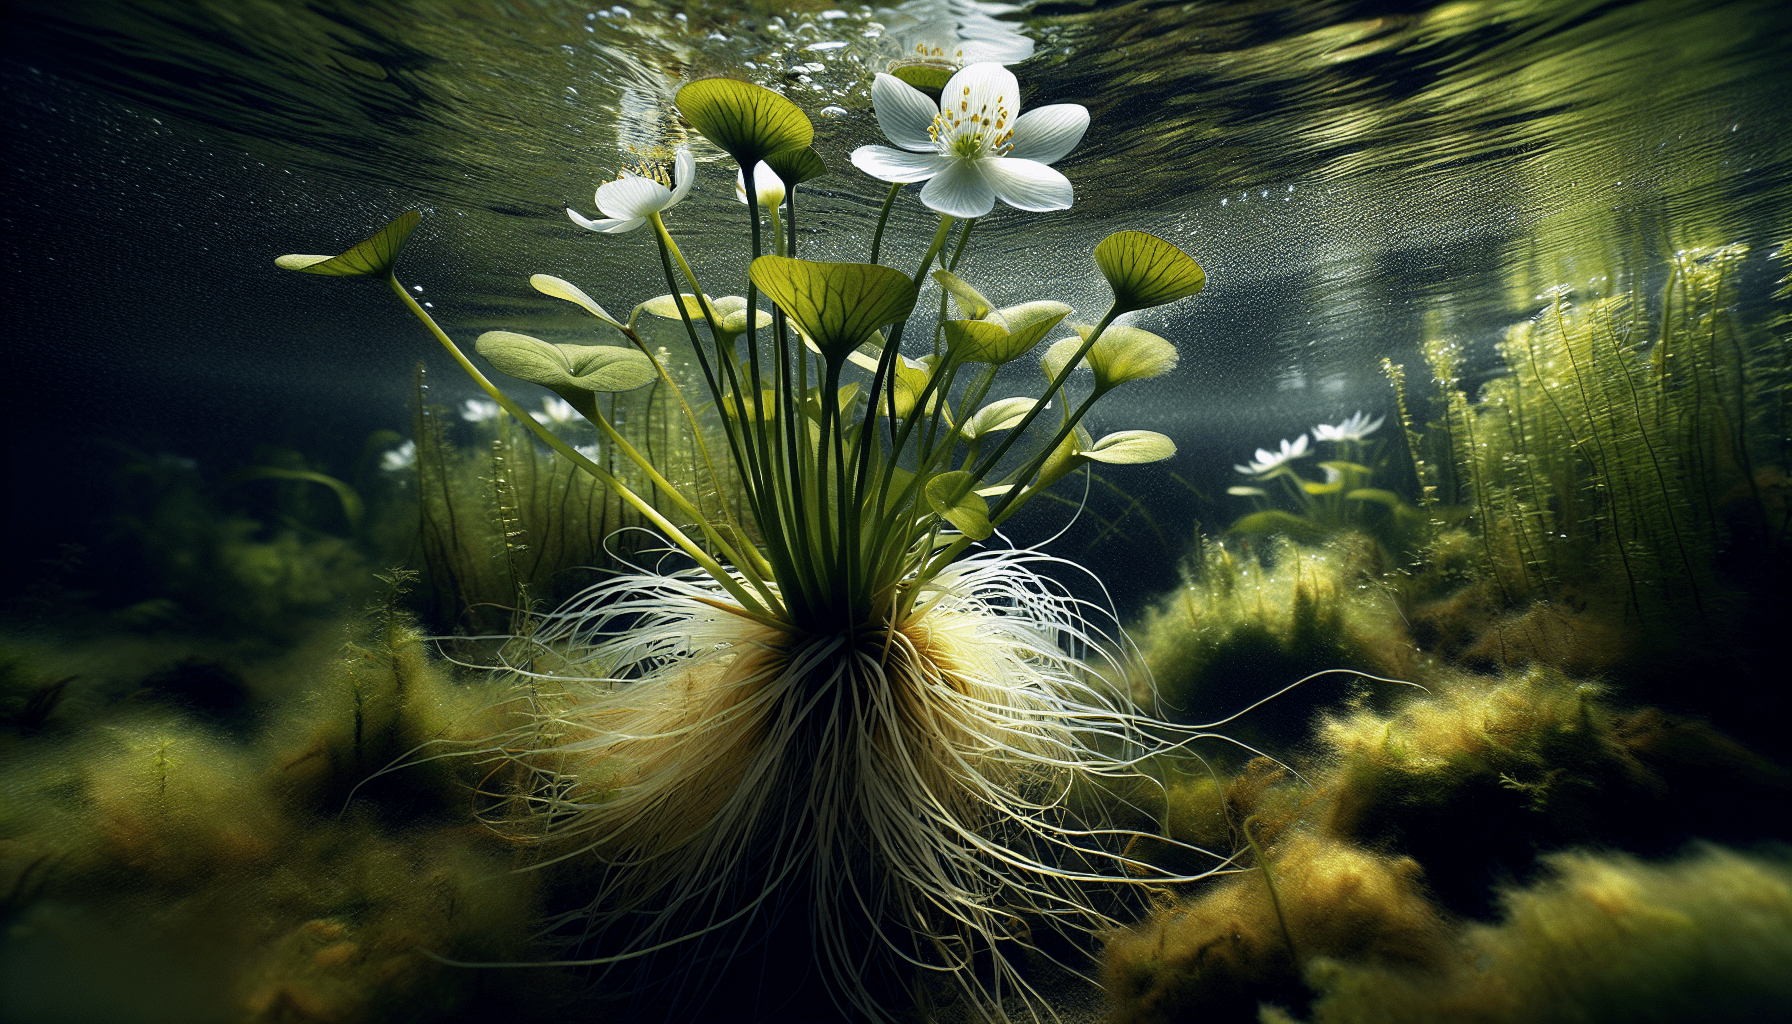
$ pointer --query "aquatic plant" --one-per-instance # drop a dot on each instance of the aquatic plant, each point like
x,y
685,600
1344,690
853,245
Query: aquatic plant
x,y
1621,443
1344,500
842,709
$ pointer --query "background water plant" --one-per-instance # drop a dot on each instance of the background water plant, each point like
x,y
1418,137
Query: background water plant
x,y
873,716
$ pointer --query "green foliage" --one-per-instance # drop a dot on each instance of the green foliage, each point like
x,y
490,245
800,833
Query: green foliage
x,y
372,255
1621,444
750,122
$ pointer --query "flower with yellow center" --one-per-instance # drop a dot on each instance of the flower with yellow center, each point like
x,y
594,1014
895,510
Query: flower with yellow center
x,y
976,147
629,200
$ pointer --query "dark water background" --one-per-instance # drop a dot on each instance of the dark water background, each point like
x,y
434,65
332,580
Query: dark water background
x,y
1351,175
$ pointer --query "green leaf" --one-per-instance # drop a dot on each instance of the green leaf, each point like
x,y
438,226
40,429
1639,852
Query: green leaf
x,y
929,75
1145,271
1121,354
1066,457
953,498
975,341
908,383
1348,467
563,368
1131,448
1376,494
1004,414
352,507
664,307
1315,487
560,288
374,254
1029,323
1248,492
970,301
1275,520
749,121
795,166
838,305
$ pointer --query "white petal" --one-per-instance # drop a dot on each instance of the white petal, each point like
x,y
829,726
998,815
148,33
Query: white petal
x,y
684,171
1045,134
765,182
1026,184
903,112
632,197
960,190
611,226
978,90
888,164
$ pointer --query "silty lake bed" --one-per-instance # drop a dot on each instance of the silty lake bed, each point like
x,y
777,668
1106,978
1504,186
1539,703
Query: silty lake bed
x,y
1541,243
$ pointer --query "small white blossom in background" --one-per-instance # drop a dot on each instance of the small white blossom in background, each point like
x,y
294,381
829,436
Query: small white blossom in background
x,y
555,411
590,451
400,458
1268,461
1355,428
478,410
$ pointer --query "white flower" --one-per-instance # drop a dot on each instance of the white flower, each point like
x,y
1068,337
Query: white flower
x,y
478,410
765,182
590,451
626,202
1268,460
555,410
972,149
400,458
1355,428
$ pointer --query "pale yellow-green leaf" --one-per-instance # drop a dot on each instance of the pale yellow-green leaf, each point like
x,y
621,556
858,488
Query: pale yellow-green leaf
x,y
1067,456
795,166
975,341
1131,448
560,288
374,254
1005,414
1028,324
1144,270
1121,354
563,368
954,498
971,303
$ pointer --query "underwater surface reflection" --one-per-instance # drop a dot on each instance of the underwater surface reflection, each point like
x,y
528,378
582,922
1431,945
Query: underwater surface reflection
x,y
1496,293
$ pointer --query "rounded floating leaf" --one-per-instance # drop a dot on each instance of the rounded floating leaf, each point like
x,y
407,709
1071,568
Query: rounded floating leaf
x,y
664,307
749,121
954,499
374,254
1144,270
1131,448
838,305
560,288
1067,456
795,166
1377,495
563,368
1005,414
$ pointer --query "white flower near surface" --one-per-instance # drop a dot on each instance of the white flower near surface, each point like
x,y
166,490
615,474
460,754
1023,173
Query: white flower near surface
x,y
479,410
555,411
1268,461
1356,428
590,451
627,201
973,149
766,183
400,458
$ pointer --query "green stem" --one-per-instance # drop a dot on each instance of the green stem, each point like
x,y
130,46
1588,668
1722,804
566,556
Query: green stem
x,y
883,215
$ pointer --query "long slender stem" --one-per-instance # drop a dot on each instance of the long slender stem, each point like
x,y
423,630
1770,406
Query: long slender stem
x,y
750,606
883,216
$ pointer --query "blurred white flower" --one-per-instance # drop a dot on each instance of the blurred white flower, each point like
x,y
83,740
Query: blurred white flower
x,y
590,451
555,410
973,149
1355,428
400,458
1268,461
766,183
478,410
626,202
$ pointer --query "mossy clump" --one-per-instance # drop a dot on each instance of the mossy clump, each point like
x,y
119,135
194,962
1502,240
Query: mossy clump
x,y
1510,767
1249,619
1604,938
1242,941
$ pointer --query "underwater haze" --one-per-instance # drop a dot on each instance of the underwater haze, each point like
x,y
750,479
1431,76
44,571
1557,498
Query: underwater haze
x,y
1481,426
